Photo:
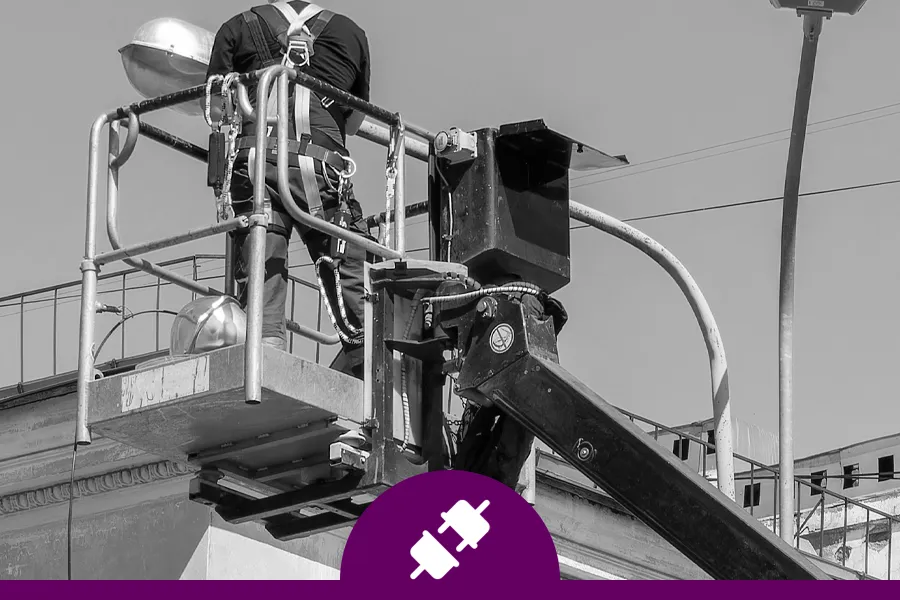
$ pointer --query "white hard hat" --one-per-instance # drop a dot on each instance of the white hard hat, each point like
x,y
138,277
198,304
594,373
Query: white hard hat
x,y
207,324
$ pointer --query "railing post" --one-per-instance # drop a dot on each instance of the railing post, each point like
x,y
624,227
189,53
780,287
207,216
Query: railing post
x,y
400,194
866,567
257,240
890,545
776,517
158,289
229,264
822,531
194,275
703,460
293,307
88,289
844,545
22,339
124,288
318,326
55,326
752,481
797,537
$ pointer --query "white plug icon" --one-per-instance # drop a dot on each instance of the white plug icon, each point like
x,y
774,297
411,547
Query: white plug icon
x,y
432,557
467,522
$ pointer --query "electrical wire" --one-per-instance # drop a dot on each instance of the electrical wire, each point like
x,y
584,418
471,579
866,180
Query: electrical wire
x,y
69,520
734,142
690,211
159,311
66,299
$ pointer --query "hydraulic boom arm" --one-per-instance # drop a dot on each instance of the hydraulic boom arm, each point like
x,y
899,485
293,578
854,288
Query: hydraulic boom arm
x,y
513,365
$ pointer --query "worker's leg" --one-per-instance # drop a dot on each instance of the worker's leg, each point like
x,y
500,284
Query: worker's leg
x,y
352,290
319,244
350,270
275,282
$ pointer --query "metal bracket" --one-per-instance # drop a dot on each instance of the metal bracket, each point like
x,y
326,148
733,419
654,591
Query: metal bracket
x,y
344,456
456,146
431,350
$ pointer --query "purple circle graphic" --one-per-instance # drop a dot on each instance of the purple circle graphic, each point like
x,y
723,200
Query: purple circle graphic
x,y
450,526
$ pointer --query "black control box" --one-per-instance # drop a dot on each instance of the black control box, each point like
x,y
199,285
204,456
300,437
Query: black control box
x,y
506,213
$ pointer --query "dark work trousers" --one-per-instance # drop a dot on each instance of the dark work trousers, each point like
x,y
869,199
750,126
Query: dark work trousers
x,y
317,243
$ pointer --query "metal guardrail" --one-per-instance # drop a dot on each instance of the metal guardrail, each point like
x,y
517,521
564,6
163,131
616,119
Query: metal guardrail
x,y
837,505
121,288
254,224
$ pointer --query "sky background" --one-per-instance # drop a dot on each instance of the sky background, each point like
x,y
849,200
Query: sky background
x,y
649,79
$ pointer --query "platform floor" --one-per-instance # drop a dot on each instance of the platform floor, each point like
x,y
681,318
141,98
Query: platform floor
x,y
193,411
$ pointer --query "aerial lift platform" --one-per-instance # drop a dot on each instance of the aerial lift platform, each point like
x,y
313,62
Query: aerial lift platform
x,y
302,448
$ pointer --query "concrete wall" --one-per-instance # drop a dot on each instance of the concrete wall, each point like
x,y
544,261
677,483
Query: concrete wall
x,y
154,532
132,518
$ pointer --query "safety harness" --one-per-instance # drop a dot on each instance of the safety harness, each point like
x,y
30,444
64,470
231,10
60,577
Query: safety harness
x,y
296,33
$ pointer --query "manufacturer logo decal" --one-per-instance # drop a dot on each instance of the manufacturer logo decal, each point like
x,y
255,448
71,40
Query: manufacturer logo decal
x,y
502,338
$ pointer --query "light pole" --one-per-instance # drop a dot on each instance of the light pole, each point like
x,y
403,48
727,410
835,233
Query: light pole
x,y
813,13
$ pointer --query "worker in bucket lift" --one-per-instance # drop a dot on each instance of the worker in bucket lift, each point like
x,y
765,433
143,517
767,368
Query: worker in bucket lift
x,y
333,49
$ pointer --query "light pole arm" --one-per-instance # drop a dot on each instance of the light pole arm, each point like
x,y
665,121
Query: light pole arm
x,y
812,26
718,366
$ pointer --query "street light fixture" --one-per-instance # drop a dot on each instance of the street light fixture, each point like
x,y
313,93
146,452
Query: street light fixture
x,y
813,13
849,7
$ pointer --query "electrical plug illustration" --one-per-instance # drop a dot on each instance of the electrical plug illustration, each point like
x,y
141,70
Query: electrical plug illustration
x,y
467,522
432,557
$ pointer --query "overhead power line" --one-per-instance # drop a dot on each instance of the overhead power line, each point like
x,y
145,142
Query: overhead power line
x,y
632,173
690,211
74,297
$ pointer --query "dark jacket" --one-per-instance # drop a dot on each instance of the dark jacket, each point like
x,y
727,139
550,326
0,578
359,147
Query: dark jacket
x,y
341,58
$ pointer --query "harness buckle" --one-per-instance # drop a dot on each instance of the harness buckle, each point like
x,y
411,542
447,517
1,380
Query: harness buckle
x,y
298,49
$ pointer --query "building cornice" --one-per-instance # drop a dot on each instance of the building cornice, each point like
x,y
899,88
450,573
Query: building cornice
x,y
91,486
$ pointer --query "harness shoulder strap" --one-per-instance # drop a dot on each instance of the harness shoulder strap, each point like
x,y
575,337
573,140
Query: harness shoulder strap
x,y
320,24
259,40
277,21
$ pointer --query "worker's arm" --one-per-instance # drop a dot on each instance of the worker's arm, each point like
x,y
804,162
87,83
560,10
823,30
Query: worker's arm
x,y
361,88
221,61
